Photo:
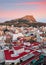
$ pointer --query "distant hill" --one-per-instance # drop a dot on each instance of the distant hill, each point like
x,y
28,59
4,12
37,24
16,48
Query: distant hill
x,y
24,21
28,18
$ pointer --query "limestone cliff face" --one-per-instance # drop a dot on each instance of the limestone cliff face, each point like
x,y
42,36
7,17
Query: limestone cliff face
x,y
30,18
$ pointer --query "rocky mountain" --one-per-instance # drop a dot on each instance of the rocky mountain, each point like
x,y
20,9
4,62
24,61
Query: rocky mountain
x,y
24,21
28,18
